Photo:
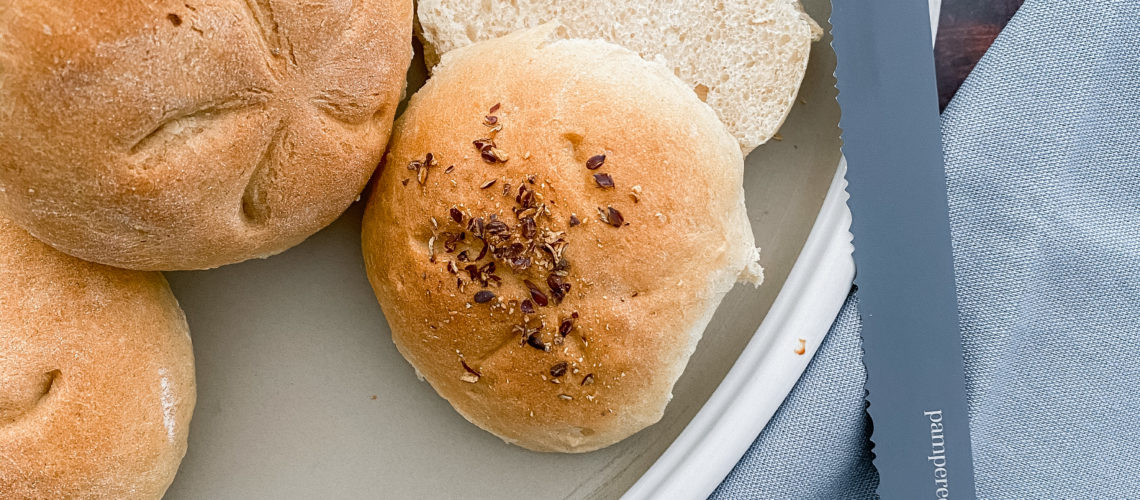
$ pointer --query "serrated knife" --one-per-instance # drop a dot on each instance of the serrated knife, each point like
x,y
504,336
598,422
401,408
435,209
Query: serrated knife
x,y
911,340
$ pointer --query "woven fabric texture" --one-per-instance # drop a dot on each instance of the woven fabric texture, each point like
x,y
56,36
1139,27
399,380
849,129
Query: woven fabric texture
x,y
1042,146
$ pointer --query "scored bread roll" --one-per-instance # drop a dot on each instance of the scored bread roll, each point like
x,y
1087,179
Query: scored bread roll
x,y
164,135
745,58
554,224
96,377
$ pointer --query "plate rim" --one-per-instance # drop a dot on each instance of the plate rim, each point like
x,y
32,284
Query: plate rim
x,y
711,444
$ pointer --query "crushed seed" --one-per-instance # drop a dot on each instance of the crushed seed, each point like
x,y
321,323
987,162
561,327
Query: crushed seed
x,y
536,294
535,341
489,152
595,162
604,180
558,287
528,228
559,369
615,217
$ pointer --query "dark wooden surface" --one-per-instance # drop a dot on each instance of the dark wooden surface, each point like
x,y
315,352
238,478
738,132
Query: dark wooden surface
x,y
966,28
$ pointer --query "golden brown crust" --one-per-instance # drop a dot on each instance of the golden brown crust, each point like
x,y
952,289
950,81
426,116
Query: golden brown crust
x,y
96,377
184,135
642,292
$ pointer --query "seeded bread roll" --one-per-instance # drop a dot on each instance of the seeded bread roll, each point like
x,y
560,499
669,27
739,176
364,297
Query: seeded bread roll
x,y
163,135
96,377
554,224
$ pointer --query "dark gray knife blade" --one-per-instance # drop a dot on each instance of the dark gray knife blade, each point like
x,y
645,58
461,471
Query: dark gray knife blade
x,y
897,183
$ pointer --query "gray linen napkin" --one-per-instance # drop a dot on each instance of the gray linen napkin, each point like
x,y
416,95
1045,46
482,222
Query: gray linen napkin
x,y
1042,146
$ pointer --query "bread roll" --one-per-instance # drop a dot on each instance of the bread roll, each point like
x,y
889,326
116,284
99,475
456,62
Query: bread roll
x,y
163,135
745,58
96,377
609,200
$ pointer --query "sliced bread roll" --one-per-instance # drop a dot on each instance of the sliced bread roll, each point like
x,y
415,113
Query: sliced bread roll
x,y
744,58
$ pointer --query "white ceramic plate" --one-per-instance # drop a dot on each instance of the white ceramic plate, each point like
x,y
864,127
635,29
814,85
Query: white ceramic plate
x,y
301,393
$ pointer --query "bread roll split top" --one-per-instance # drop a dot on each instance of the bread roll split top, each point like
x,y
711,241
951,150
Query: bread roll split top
x,y
165,135
609,200
96,377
